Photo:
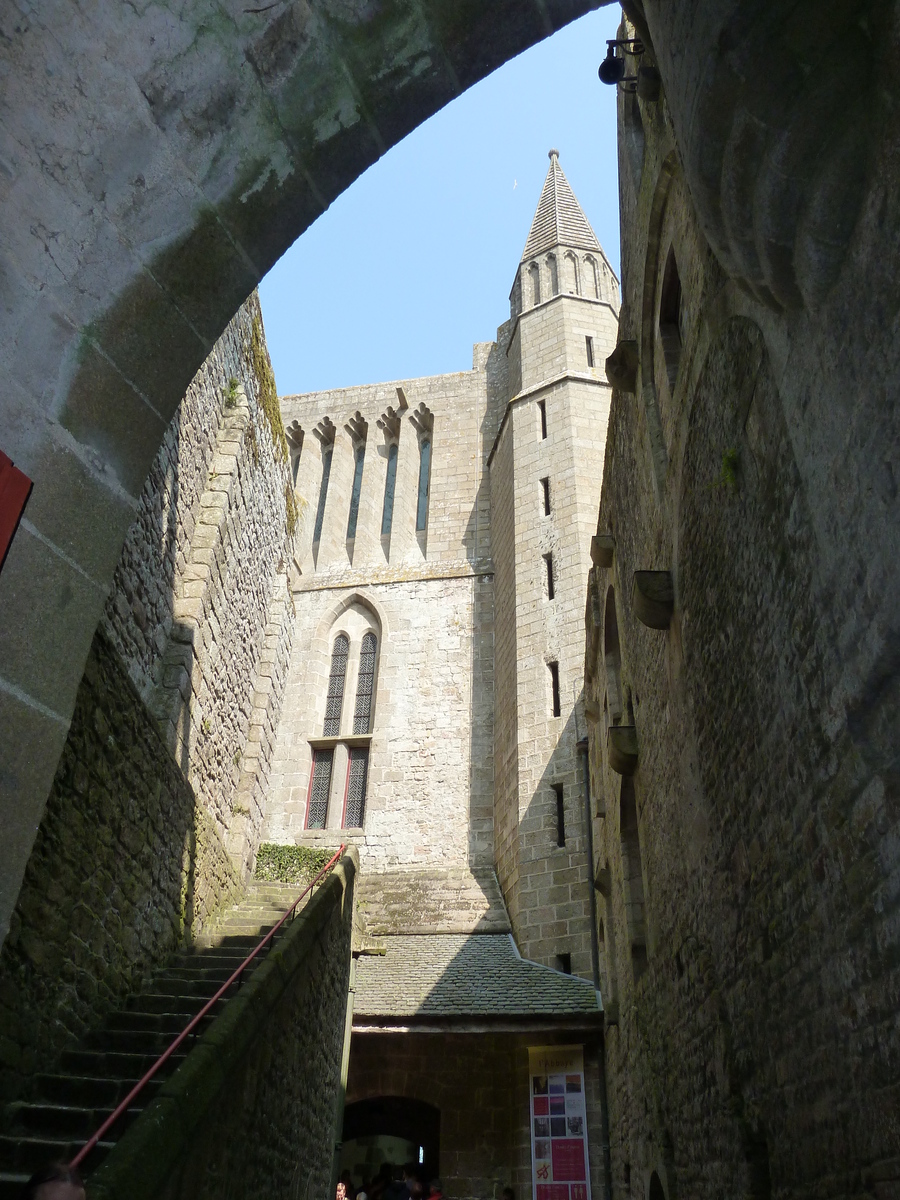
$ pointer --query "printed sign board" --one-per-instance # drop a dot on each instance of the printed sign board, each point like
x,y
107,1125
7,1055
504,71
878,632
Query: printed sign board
x,y
559,1158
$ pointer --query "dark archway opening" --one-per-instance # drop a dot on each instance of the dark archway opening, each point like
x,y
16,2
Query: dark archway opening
x,y
657,1192
396,1117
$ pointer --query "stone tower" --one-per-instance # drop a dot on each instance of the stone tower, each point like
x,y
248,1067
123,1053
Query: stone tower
x,y
545,471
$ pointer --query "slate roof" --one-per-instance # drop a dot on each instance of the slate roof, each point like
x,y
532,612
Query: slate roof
x,y
559,220
455,975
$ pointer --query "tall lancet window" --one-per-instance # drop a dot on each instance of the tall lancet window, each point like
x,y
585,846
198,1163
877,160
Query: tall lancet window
x,y
424,483
362,716
335,701
323,493
360,457
319,787
390,484
357,771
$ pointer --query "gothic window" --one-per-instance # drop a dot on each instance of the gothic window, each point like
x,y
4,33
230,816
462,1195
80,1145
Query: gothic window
x,y
357,773
390,484
323,493
554,274
670,318
362,716
592,280
335,701
319,787
572,280
424,483
360,456
535,272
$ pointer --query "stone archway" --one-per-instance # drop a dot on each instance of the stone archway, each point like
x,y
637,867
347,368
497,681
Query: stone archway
x,y
153,165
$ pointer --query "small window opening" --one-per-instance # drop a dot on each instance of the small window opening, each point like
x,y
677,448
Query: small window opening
x,y
553,668
424,483
548,562
670,318
421,1155
589,350
323,493
390,484
560,814
564,963
355,493
545,493
542,412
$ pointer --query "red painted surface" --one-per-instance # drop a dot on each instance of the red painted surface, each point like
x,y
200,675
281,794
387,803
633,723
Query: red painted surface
x,y
15,488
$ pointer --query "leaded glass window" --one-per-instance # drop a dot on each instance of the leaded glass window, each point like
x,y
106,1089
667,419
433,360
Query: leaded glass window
x,y
355,493
362,716
319,787
424,481
390,483
323,494
357,772
335,701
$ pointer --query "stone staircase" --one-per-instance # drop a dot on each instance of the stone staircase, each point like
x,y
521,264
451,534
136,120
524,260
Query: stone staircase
x,y
67,1106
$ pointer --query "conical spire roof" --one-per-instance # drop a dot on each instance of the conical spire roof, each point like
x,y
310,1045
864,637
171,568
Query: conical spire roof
x,y
559,219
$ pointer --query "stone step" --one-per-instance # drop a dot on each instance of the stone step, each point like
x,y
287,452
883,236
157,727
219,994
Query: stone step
x,y
116,1064
28,1154
90,1091
135,1041
171,1023
66,1121
12,1184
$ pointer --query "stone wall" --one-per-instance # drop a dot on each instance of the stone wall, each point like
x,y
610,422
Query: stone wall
x,y
253,1109
125,866
749,913
479,1082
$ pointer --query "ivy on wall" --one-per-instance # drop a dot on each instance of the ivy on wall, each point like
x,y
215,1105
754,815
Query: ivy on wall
x,y
289,864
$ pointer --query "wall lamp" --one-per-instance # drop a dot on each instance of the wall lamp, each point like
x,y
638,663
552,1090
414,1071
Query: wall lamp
x,y
612,69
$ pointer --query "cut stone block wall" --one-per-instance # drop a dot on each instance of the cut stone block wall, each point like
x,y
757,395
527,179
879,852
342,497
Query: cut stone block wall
x,y
126,865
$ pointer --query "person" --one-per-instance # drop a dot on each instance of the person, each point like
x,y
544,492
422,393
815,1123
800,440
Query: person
x,y
435,1190
349,1190
397,1189
507,1193
56,1182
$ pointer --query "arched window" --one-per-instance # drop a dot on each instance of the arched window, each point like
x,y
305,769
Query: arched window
x,y
335,702
424,483
670,318
572,280
535,272
592,277
323,492
360,456
362,715
554,274
390,484
633,877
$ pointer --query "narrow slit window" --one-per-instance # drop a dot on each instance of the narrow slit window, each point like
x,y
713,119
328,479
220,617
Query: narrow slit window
x,y
564,963
545,495
542,413
548,565
589,350
424,483
323,494
390,484
360,457
560,814
357,775
362,716
319,787
335,702
555,706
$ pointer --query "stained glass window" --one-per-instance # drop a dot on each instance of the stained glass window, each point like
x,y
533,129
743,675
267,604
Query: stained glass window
x,y
319,787
335,701
362,715
357,772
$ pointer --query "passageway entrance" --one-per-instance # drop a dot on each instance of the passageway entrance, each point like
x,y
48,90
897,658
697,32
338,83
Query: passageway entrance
x,y
392,1129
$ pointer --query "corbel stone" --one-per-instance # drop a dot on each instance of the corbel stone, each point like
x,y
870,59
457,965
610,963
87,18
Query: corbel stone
x,y
622,366
603,547
603,881
649,84
592,711
622,749
653,598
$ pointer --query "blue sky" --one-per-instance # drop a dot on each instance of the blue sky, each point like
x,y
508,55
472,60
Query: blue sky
x,y
414,262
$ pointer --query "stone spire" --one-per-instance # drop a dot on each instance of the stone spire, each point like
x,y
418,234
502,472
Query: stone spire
x,y
559,220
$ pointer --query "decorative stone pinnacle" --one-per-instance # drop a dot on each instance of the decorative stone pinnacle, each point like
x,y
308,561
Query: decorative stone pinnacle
x,y
553,154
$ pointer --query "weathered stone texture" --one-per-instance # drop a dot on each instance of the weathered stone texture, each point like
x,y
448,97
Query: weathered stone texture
x,y
754,1050
126,865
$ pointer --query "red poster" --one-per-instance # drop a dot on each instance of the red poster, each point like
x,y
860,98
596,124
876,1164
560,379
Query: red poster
x,y
568,1158
552,1191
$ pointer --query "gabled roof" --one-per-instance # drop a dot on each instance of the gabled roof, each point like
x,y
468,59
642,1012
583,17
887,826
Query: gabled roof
x,y
559,220
464,975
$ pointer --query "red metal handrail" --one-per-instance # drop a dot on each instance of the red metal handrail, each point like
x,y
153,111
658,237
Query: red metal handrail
x,y
188,1029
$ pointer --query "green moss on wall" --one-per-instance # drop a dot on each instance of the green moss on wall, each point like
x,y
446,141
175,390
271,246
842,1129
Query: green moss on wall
x,y
268,394
289,864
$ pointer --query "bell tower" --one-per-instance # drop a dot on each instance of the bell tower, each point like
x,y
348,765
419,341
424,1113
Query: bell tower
x,y
546,469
